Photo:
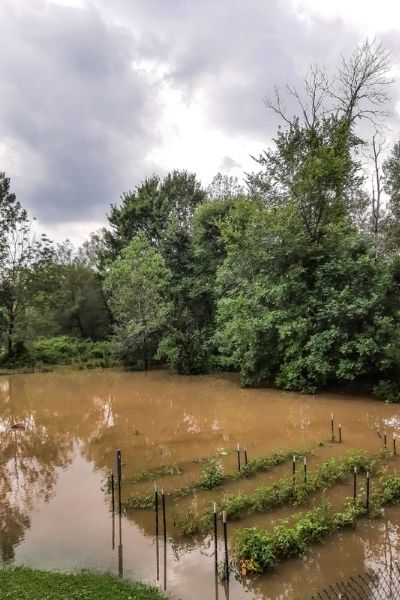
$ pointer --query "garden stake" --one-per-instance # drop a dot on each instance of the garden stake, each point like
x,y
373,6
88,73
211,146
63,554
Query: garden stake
x,y
216,585
332,428
112,493
156,507
163,516
340,433
120,552
367,503
215,538
394,445
113,532
245,457
305,470
226,545
165,565
119,474
238,456
157,546
355,483
385,440
294,469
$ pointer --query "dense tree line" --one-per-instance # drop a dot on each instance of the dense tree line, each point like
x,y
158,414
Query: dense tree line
x,y
291,278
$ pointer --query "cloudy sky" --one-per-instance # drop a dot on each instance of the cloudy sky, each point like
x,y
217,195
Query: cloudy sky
x,y
97,94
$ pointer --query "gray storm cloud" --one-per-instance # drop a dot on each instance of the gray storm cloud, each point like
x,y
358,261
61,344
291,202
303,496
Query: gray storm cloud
x,y
81,113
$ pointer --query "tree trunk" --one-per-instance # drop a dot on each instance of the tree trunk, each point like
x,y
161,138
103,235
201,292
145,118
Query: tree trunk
x,y
10,331
108,310
80,326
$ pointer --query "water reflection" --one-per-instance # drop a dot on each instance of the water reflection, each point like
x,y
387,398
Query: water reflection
x,y
120,549
29,459
75,421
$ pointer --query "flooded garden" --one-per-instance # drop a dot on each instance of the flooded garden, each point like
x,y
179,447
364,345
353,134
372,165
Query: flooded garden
x,y
59,433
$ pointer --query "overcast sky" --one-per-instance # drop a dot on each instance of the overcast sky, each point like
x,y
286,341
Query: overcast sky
x,y
97,94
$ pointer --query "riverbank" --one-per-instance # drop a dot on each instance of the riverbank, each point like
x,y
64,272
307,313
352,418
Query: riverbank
x,y
45,354
21,583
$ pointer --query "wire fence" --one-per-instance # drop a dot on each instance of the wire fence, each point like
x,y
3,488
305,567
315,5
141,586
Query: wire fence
x,y
383,584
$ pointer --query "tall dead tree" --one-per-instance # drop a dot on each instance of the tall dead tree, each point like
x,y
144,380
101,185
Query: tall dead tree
x,y
358,90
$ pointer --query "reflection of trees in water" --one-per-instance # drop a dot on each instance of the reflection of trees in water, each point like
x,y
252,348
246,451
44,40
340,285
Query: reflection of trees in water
x,y
30,458
382,543
58,410
27,469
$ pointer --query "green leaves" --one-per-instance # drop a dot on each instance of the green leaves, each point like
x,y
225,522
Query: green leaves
x,y
137,289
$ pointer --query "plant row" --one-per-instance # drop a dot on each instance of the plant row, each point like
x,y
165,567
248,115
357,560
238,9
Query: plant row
x,y
257,550
212,476
284,491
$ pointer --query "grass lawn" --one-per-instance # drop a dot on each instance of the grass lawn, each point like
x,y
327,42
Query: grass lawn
x,y
20,583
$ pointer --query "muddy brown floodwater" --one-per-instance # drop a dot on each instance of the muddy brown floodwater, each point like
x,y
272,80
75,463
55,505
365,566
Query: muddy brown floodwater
x,y
54,514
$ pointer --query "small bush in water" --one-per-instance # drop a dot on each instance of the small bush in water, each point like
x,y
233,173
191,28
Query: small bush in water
x,y
211,476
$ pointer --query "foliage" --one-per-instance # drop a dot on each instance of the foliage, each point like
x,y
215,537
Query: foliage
x,y
285,279
258,550
387,390
32,584
185,522
19,253
135,285
211,475
284,492
64,350
302,316
150,208
161,471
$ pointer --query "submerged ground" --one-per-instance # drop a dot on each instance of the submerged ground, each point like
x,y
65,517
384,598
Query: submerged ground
x,y
54,513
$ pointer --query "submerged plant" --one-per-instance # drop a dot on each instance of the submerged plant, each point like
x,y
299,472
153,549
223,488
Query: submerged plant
x,y
211,476
267,497
161,471
257,550
186,523
106,484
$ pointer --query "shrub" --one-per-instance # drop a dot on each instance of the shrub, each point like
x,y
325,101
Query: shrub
x,y
211,476
64,350
387,390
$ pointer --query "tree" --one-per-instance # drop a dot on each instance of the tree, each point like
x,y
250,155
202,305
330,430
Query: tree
x,y
225,187
391,174
19,251
303,316
186,345
162,212
377,209
357,91
137,286
150,208
314,159
310,168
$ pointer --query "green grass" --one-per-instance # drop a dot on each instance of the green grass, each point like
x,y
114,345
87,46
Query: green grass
x,y
21,583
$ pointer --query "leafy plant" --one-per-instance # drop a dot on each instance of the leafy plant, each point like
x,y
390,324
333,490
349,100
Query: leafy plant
x,y
284,492
211,476
161,471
